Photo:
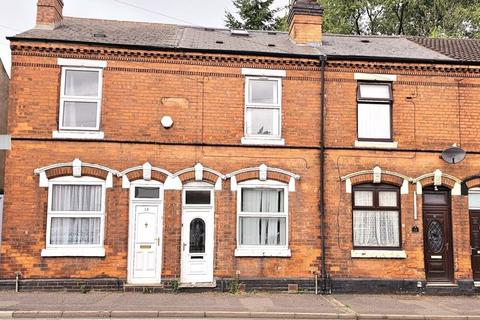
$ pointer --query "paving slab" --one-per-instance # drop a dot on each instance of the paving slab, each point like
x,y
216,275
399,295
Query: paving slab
x,y
223,305
95,301
411,304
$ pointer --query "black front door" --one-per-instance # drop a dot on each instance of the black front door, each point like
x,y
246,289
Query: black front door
x,y
437,234
475,242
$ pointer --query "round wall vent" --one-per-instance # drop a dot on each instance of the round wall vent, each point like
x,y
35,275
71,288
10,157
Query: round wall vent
x,y
167,122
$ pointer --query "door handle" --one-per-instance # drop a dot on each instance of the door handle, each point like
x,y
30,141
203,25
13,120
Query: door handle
x,y
158,241
184,246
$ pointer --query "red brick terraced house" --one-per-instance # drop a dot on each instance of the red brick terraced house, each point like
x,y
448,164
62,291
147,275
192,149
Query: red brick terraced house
x,y
161,155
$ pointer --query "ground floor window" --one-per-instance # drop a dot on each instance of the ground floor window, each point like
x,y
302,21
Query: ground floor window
x,y
262,215
76,213
376,216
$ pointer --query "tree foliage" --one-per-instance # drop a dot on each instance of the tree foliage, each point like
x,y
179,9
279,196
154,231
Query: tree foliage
x,y
428,18
255,15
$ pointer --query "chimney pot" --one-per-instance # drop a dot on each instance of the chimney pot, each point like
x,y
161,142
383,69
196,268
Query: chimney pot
x,y
305,21
49,14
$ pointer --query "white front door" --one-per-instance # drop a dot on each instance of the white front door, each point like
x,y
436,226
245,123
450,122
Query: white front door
x,y
197,239
145,252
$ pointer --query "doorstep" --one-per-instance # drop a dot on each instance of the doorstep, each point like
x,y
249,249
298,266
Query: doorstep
x,y
442,285
198,285
145,288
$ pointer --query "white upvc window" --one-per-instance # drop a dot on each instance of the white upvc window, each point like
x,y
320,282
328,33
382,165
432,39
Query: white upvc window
x,y
75,217
474,199
262,219
374,111
80,98
263,108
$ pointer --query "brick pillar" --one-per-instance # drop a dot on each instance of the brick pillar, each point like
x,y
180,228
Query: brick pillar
x,y
49,13
305,21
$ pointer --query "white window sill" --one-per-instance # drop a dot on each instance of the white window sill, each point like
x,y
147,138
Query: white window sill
x,y
262,252
376,144
260,141
379,254
85,135
73,252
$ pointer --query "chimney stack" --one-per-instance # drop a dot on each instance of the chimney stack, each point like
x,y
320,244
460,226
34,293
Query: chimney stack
x,y
305,21
49,14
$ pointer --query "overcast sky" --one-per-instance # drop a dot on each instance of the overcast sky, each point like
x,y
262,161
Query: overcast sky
x,y
19,15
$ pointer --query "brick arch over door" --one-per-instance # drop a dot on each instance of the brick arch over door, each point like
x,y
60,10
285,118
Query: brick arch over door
x,y
438,178
469,183
199,173
263,173
148,172
76,168
376,176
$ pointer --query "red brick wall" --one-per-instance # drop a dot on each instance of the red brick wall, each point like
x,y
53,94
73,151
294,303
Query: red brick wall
x,y
205,99
26,202
426,119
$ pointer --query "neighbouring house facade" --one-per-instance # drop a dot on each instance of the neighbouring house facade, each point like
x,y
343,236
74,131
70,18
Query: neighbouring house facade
x,y
152,154
4,139
4,81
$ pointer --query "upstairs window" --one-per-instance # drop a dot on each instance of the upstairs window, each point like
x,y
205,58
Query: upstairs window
x,y
263,108
374,111
80,99
376,216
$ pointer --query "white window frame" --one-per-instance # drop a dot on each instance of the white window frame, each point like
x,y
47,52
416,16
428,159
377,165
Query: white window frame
x,y
64,98
256,138
93,250
262,250
473,191
375,101
198,186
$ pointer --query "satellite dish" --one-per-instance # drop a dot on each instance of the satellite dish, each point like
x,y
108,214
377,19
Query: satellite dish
x,y
453,155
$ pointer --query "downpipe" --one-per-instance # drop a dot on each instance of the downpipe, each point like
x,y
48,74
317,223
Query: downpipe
x,y
325,278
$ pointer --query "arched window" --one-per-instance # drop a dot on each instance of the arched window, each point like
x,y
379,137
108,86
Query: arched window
x,y
376,216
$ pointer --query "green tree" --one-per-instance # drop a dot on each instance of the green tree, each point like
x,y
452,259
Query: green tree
x,y
255,15
429,18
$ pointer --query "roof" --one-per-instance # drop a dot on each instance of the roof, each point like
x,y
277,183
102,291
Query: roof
x,y
167,36
393,47
191,38
460,49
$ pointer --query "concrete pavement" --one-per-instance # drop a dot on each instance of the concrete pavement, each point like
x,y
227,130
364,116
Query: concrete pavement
x,y
247,306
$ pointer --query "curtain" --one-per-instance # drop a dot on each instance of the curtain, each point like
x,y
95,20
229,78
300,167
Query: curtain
x,y
76,198
81,83
71,231
263,231
262,200
374,121
387,199
363,198
376,228
80,114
